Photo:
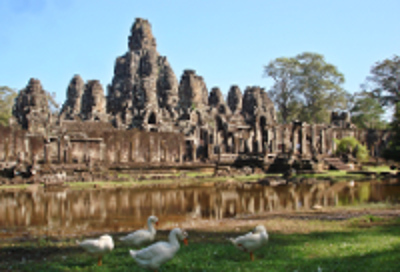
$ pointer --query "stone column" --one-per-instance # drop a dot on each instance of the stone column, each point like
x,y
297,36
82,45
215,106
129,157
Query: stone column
x,y
103,158
180,151
193,147
46,151
148,159
303,144
236,144
275,141
130,154
59,149
322,140
313,138
295,136
333,140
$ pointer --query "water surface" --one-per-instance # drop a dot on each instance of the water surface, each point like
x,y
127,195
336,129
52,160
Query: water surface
x,y
66,212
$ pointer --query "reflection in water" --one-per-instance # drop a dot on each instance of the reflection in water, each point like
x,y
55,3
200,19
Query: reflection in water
x,y
36,212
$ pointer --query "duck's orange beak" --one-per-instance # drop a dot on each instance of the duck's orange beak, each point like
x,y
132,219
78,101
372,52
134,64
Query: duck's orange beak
x,y
157,223
185,241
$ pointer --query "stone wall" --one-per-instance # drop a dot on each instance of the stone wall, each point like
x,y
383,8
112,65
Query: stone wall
x,y
148,117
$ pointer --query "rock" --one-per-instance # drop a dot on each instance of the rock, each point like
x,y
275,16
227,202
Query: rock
x,y
235,99
143,83
93,102
31,108
72,106
256,103
193,92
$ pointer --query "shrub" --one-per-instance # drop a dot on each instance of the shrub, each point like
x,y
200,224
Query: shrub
x,y
351,146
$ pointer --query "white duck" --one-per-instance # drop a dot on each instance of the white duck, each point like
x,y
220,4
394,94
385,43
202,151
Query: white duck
x,y
154,256
98,247
251,241
142,236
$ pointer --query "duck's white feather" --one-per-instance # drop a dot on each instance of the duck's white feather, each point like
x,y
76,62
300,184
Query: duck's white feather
x,y
252,240
98,246
159,253
141,237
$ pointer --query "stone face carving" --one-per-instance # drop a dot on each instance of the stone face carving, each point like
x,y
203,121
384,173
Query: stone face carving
x,y
192,91
93,105
31,109
145,94
143,83
235,98
72,106
256,103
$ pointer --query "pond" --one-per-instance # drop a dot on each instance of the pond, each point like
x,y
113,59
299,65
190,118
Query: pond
x,y
37,212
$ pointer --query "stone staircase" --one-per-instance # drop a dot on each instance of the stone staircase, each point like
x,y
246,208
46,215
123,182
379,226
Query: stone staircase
x,y
337,164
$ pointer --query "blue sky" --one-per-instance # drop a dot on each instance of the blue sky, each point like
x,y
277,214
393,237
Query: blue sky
x,y
226,42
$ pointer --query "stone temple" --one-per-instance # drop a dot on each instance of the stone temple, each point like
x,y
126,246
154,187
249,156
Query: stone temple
x,y
149,117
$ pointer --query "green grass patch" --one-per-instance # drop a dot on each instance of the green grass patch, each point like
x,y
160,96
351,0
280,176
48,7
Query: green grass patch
x,y
377,169
350,248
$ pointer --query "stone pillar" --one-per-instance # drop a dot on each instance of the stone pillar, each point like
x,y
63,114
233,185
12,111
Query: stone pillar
x,y
193,148
303,144
313,138
59,160
236,145
103,158
130,151
284,139
275,142
295,137
322,140
180,151
136,148
46,151
158,146
333,140
148,159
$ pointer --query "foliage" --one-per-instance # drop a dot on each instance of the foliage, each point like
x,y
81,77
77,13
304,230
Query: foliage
x,y
351,146
384,85
306,88
366,112
285,92
384,81
7,96
392,151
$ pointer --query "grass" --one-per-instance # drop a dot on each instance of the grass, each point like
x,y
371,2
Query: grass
x,y
367,243
377,169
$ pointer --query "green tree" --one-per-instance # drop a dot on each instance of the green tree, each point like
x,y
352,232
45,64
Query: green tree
x,y
7,96
384,85
384,81
284,92
366,112
320,86
351,146
306,88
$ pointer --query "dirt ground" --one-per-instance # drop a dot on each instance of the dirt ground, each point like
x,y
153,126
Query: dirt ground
x,y
296,221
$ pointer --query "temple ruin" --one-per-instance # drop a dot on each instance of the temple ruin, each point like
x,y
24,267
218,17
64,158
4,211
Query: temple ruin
x,y
149,118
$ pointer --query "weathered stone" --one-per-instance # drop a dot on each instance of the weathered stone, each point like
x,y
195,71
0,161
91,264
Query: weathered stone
x,y
192,91
235,99
256,103
31,108
93,102
72,106
179,122
143,84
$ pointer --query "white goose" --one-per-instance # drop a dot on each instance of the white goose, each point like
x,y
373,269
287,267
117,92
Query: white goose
x,y
142,236
98,247
251,241
154,256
